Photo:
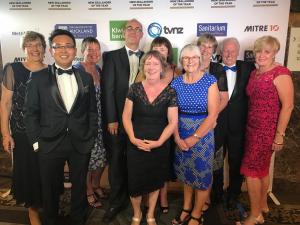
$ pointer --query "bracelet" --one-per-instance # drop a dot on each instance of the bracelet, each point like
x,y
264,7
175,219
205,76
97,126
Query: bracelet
x,y
277,143
281,134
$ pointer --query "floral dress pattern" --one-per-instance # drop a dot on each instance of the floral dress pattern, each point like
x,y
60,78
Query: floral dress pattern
x,y
264,108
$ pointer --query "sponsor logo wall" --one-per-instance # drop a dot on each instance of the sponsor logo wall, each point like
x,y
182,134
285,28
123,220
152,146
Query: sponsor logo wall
x,y
181,21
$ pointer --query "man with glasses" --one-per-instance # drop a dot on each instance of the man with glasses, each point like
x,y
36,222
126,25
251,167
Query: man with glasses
x,y
120,68
60,119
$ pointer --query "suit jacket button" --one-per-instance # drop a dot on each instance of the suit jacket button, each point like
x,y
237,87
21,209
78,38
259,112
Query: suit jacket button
x,y
67,129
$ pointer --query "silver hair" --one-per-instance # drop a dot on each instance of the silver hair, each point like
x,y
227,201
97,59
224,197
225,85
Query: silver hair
x,y
230,39
190,48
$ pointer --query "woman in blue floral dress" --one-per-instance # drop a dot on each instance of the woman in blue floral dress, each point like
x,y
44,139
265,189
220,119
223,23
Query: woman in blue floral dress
x,y
90,49
198,102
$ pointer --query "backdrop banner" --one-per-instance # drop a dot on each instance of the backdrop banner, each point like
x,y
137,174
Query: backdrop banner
x,y
181,21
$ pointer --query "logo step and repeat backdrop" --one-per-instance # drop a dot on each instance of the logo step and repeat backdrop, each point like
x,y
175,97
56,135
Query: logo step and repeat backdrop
x,y
181,21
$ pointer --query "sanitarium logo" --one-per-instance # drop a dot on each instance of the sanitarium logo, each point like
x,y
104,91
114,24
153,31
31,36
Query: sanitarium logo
x,y
116,28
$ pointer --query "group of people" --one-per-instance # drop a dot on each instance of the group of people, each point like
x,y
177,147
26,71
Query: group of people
x,y
150,121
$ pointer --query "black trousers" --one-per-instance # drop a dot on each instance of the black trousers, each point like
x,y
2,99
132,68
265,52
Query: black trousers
x,y
235,148
51,171
116,146
234,144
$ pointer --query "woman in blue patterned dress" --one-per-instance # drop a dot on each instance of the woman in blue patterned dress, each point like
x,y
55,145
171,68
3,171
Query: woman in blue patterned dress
x,y
198,101
91,51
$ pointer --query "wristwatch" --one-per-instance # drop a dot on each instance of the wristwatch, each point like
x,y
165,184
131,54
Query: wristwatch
x,y
196,135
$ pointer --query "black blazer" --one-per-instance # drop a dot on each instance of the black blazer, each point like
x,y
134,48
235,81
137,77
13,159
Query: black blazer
x,y
233,118
115,83
46,118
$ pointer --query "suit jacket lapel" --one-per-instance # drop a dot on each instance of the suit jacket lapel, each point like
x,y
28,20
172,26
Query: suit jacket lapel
x,y
54,89
80,87
125,61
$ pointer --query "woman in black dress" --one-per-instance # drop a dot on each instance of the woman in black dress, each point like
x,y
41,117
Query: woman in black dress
x,y
26,179
164,47
150,117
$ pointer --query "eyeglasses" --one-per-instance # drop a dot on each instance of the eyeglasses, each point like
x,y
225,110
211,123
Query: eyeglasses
x,y
31,46
131,29
61,47
187,58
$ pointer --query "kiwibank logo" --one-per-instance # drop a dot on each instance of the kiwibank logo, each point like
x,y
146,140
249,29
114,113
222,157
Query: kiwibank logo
x,y
116,28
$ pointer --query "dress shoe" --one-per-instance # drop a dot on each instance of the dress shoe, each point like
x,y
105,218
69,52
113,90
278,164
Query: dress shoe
x,y
110,214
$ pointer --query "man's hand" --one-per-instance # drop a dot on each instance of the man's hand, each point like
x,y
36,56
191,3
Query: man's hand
x,y
113,128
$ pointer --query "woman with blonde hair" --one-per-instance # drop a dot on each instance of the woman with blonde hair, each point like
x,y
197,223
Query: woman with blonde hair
x,y
271,99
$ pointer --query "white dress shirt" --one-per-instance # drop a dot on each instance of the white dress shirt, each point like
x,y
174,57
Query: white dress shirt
x,y
68,88
231,79
134,65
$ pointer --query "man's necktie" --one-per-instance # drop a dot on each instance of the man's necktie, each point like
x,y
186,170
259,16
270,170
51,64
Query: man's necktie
x,y
61,71
138,53
232,68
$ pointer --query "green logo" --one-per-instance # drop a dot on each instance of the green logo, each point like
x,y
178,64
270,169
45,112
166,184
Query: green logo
x,y
116,28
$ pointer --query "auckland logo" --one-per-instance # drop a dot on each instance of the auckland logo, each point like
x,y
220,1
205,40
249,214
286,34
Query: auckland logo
x,y
154,30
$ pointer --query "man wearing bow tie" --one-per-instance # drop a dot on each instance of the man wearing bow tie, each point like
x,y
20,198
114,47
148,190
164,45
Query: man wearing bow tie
x,y
232,119
120,68
60,118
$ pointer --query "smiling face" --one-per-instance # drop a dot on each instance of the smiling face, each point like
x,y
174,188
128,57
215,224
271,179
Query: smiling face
x,y
63,50
190,61
265,56
207,50
133,33
34,50
162,49
230,53
92,53
152,68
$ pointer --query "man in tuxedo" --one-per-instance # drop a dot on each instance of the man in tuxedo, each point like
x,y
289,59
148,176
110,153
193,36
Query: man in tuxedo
x,y
232,120
120,68
60,119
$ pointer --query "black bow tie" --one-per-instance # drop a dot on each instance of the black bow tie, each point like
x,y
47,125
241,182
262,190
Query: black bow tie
x,y
137,53
232,68
61,71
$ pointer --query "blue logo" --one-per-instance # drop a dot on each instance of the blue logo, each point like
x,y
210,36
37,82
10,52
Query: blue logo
x,y
216,29
79,31
154,30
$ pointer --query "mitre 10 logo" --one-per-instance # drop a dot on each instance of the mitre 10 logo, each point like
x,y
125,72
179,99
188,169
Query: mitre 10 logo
x,y
261,28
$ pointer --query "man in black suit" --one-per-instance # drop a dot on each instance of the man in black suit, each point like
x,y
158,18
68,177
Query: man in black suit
x,y
232,120
60,118
120,68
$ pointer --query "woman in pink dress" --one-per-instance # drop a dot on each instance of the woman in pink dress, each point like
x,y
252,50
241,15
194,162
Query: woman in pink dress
x,y
271,93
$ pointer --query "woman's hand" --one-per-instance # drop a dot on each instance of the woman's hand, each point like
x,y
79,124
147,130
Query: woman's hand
x,y
191,141
152,144
181,144
8,143
140,144
277,142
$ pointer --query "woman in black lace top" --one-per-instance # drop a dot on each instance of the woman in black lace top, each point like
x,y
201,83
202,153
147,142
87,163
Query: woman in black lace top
x,y
26,179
